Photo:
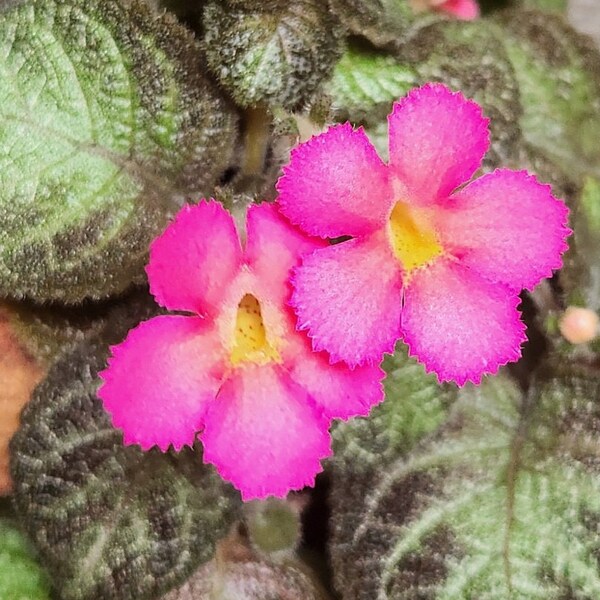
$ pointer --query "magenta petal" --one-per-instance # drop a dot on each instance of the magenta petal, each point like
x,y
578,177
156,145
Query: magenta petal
x,y
274,247
160,380
348,298
263,433
195,258
467,10
340,391
437,141
335,184
460,325
506,226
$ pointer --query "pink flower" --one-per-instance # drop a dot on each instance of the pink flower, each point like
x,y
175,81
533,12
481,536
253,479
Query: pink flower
x,y
467,10
237,370
434,264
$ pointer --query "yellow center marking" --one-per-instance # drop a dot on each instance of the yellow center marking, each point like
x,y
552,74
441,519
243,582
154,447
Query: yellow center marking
x,y
251,344
413,240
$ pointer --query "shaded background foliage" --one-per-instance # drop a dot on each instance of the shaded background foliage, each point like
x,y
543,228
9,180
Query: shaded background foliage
x,y
112,115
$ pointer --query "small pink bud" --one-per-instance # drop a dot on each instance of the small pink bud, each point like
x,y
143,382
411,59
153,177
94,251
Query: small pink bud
x,y
579,325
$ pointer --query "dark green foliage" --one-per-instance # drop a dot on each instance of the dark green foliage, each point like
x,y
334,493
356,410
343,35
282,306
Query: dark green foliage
x,y
107,119
276,53
380,21
365,449
558,75
502,501
49,329
109,521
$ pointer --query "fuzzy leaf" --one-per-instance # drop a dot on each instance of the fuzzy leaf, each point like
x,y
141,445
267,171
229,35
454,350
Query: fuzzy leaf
x,y
380,21
365,81
278,53
109,521
47,330
558,74
106,119
464,56
502,502
415,406
21,578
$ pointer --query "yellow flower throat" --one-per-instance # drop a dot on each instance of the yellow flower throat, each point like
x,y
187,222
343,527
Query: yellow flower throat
x,y
250,341
413,240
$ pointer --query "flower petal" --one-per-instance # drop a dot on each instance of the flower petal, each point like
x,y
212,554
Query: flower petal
x,y
274,247
348,298
160,380
467,10
335,184
506,226
340,391
437,141
195,258
460,325
263,433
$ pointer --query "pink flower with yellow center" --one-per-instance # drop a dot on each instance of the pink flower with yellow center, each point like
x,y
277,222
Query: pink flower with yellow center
x,y
433,263
237,371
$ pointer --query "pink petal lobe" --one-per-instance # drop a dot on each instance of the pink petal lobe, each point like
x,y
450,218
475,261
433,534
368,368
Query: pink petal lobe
x,y
460,325
274,247
264,434
340,391
437,141
466,10
160,380
507,227
348,298
195,258
335,184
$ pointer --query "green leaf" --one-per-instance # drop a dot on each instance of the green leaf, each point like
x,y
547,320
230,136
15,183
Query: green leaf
x,y
415,406
552,5
106,121
47,330
558,74
381,21
276,53
365,83
109,521
464,56
502,502
20,576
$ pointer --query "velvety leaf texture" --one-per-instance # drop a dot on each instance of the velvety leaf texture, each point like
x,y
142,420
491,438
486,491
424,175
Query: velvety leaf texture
x,y
106,119
364,81
558,73
276,53
20,576
503,501
47,330
415,406
380,21
463,56
109,521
